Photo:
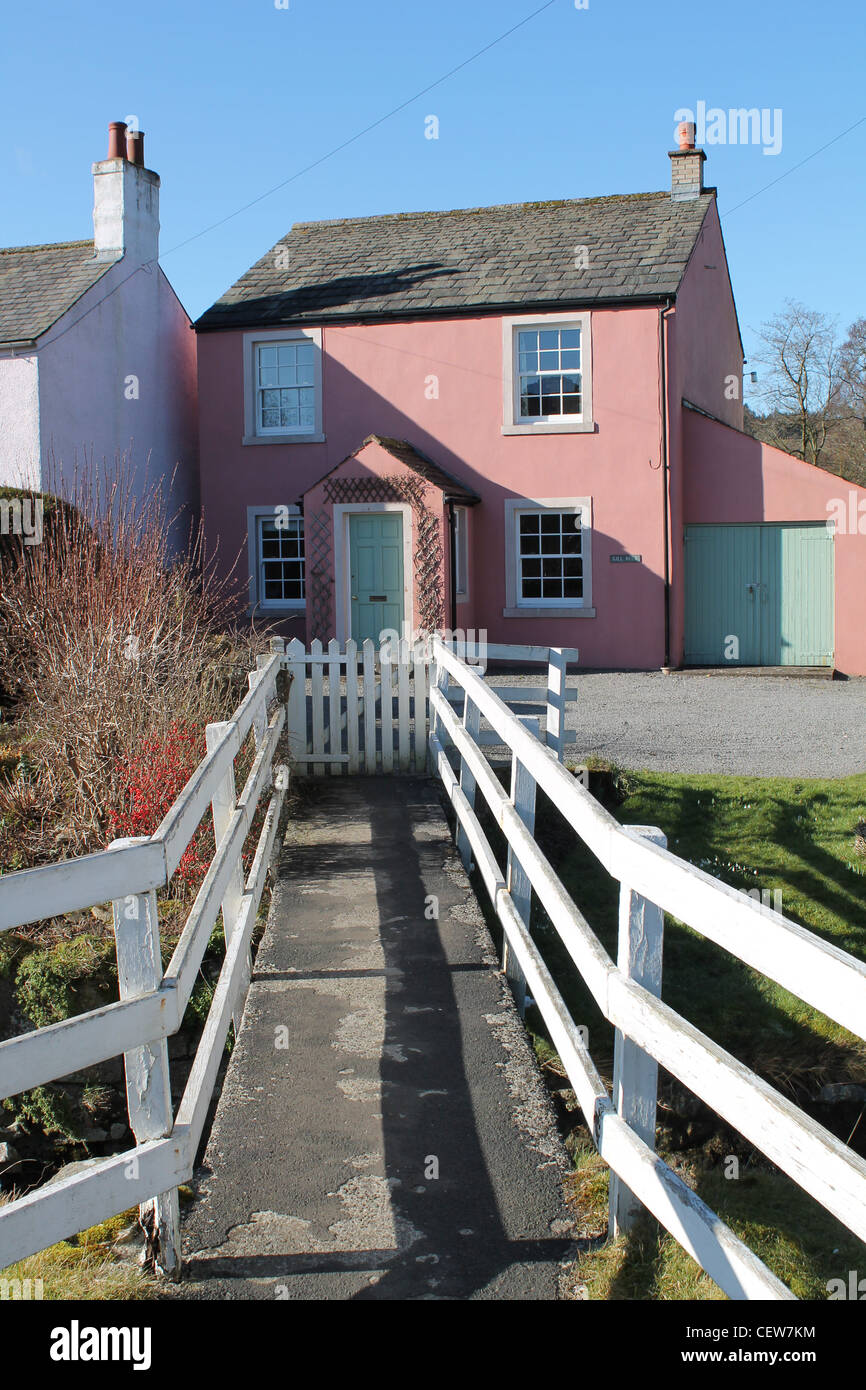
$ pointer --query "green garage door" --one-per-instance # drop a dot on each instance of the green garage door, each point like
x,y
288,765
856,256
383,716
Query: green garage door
x,y
759,595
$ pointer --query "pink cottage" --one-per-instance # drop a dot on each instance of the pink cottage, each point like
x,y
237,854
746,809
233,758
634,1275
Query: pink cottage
x,y
525,419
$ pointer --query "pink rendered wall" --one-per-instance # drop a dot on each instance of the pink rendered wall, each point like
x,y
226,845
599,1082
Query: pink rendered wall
x,y
376,380
731,477
704,353
708,336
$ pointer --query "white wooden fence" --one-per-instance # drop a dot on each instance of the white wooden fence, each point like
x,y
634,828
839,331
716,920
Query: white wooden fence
x,y
365,710
648,1032
152,1002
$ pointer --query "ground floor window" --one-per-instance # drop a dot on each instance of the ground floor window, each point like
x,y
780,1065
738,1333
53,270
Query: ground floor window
x,y
548,556
277,561
461,552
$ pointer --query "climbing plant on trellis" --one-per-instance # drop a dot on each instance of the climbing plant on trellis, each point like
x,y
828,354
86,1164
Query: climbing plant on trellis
x,y
427,549
320,580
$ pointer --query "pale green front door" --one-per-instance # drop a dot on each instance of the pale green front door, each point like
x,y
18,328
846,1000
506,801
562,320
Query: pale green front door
x,y
376,573
759,595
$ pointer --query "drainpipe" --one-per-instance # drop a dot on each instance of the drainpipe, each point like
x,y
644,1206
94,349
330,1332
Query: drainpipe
x,y
452,566
666,469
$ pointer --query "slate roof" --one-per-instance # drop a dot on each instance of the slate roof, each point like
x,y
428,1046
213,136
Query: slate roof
x,y
419,463
38,284
515,257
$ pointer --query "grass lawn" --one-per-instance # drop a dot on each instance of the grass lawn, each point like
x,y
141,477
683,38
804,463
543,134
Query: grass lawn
x,y
86,1267
793,837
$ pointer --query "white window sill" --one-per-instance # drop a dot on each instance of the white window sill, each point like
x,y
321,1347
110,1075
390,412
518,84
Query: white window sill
x,y
278,611
283,439
552,427
548,612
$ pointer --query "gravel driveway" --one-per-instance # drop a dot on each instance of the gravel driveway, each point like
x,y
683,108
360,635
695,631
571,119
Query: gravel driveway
x,y
761,726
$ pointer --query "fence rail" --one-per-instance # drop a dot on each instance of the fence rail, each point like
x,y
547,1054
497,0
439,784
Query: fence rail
x,y
152,1002
648,1032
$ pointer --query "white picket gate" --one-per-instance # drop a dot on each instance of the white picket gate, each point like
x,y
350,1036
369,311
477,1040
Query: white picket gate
x,y
366,709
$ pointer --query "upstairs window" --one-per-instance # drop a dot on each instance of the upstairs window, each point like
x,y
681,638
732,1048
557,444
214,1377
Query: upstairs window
x,y
283,387
547,375
548,372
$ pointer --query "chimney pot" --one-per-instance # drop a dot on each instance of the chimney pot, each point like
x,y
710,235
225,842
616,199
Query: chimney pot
x,y
686,135
116,140
135,147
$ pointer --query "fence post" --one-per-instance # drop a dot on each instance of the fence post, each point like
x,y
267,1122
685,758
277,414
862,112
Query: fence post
x,y
148,1086
223,806
517,881
556,700
472,724
260,723
296,716
635,1073
439,680
419,692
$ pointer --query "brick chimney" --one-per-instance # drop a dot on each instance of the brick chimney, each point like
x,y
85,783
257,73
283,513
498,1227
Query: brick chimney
x,y
125,199
687,165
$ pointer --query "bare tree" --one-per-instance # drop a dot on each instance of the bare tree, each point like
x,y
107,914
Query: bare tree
x,y
853,358
804,381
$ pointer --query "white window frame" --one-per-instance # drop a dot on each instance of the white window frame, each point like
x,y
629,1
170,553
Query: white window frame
x,y
303,434
461,553
254,516
512,423
517,607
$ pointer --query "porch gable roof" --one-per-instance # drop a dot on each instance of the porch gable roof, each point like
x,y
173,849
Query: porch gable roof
x,y
417,462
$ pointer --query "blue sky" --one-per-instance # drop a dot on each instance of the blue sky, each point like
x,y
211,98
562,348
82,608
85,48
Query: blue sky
x,y
236,96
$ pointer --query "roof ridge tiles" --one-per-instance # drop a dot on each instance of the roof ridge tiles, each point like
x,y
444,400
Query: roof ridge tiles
x,y
47,246
534,204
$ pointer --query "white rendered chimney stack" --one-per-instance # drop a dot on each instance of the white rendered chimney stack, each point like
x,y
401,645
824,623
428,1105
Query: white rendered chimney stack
x,y
125,199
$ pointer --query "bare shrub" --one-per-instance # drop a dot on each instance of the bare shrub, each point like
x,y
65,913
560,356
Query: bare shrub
x,y
116,641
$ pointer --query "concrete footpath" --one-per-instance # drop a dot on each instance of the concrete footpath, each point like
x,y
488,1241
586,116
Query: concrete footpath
x,y
383,1131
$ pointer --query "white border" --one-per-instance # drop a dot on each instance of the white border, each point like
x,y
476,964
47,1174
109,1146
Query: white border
x,y
567,425
516,608
253,516
343,569
283,335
